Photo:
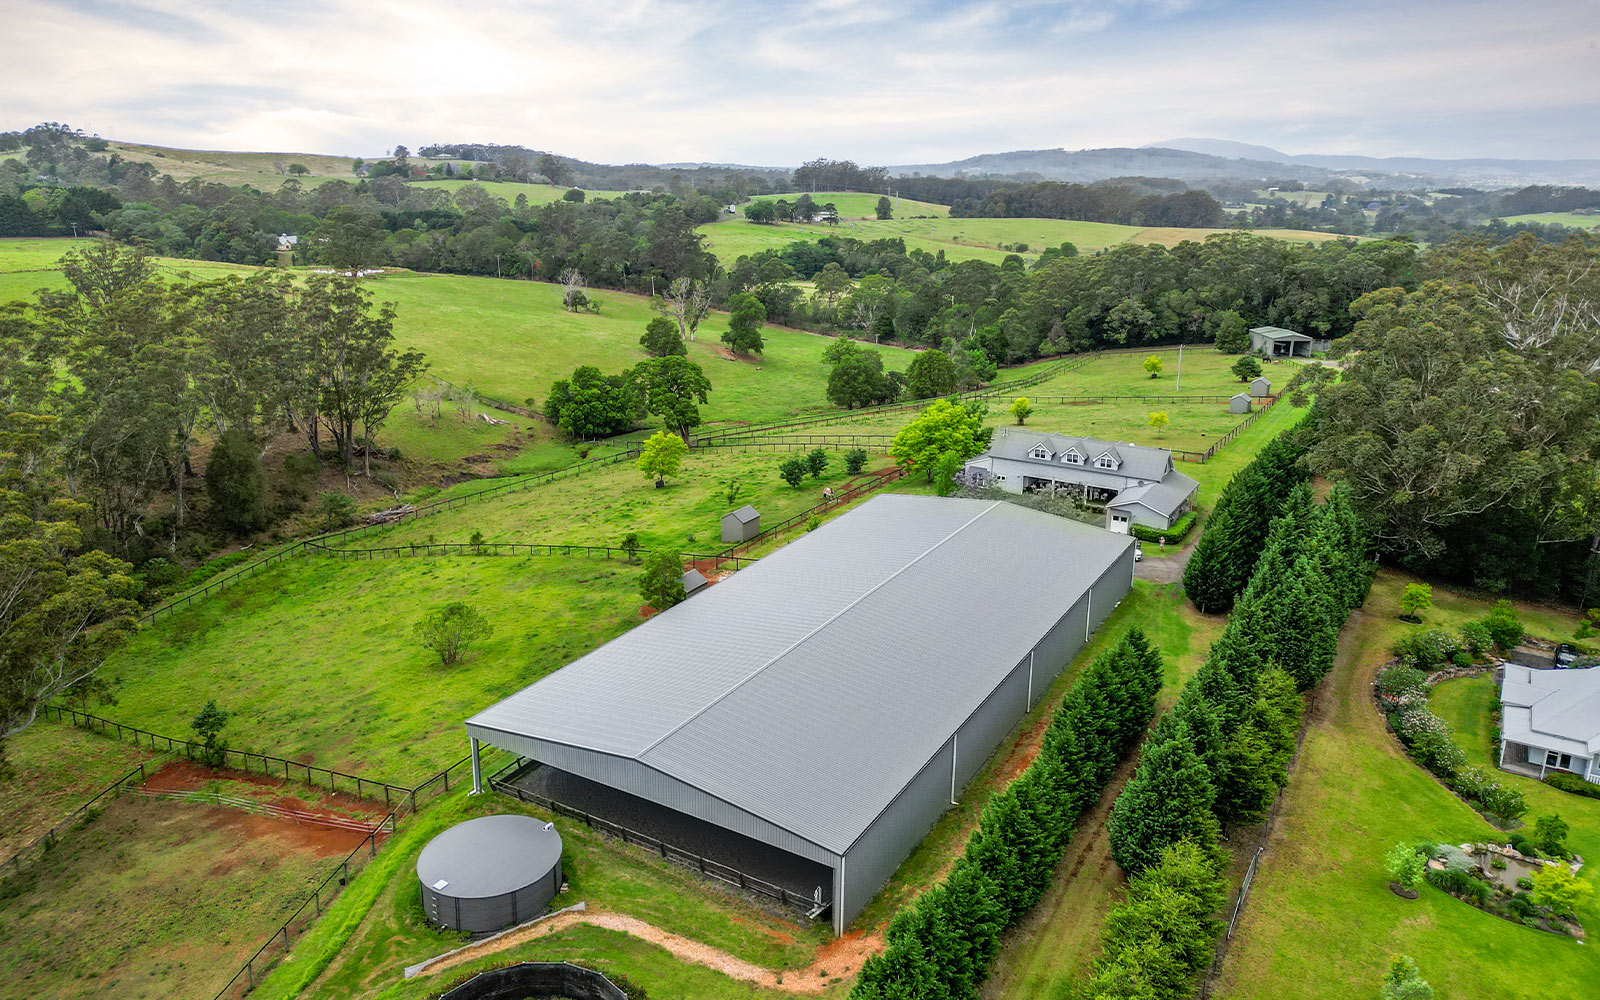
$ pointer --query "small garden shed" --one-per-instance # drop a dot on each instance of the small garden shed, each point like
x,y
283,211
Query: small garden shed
x,y
1239,403
741,525
693,581
1261,387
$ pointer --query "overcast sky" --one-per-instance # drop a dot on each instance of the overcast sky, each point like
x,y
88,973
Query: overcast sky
x,y
776,83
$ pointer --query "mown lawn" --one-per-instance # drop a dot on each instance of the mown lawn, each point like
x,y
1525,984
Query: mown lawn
x,y
56,768
1321,922
377,926
153,898
316,661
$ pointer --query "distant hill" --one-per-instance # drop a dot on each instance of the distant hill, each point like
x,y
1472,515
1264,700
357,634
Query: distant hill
x,y
1088,165
1484,172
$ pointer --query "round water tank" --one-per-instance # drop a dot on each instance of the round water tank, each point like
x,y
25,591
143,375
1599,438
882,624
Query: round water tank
x,y
489,873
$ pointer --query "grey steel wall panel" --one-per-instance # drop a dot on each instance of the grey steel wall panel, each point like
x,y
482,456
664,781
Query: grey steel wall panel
x,y
982,732
890,839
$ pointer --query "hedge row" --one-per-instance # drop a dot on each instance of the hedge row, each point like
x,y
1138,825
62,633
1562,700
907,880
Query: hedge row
x,y
941,945
1572,783
1225,557
1173,535
1223,752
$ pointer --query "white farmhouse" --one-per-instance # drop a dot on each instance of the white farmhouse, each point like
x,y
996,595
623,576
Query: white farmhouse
x,y
1550,721
1138,485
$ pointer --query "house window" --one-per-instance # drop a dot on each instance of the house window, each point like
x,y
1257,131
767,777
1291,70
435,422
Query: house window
x,y
1072,458
1561,760
1105,462
1040,453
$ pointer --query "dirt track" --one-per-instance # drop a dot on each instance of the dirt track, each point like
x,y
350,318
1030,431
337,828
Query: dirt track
x,y
840,958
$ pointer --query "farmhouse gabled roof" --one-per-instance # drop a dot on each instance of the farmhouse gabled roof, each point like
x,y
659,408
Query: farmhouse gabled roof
x,y
1137,461
1552,709
1164,497
810,688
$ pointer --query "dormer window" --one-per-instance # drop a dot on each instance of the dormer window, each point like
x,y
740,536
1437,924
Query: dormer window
x,y
1040,452
1105,462
1072,458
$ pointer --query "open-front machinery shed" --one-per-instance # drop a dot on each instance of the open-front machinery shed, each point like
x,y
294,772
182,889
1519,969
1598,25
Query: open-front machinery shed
x,y
832,699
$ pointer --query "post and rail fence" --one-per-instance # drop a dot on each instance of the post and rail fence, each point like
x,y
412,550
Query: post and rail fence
x,y
278,943
669,852
46,841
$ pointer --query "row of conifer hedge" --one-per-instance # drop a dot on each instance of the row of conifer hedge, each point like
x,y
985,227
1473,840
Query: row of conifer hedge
x,y
1222,753
942,944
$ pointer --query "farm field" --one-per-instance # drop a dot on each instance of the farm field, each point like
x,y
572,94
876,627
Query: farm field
x,y
56,769
265,171
859,205
600,507
961,239
317,662
1353,793
1205,373
538,194
1570,219
156,898
512,339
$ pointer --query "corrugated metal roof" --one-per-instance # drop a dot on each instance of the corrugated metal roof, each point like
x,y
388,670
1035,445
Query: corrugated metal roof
x,y
1552,709
744,514
1164,497
810,688
1278,333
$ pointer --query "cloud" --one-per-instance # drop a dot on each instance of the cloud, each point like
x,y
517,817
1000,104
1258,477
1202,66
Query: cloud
x,y
629,80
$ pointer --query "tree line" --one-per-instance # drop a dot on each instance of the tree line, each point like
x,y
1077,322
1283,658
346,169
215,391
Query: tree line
x,y
1222,753
942,944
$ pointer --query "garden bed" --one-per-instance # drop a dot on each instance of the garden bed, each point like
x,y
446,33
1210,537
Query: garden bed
x,y
1498,880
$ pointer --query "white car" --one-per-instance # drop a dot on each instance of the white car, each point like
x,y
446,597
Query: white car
x,y
1138,552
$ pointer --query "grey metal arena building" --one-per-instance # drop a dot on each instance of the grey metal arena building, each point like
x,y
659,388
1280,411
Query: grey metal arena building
x,y
832,699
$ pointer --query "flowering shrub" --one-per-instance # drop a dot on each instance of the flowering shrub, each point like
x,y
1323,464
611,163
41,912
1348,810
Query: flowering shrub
x,y
1428,650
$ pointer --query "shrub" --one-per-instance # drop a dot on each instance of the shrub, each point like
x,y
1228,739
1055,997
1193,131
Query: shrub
x,y
1503,801
1524,883
1556,887
207,726
661,580
1504,627
1405,866
1398,679
1572,783
855,460
1404,982
1173,535
1451,881
1428,650
816,462
334,510
1461,659
1416,598
449,630
1521,905
792,470
1475,636
1550,833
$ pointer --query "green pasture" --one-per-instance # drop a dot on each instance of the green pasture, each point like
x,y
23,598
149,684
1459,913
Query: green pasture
x,y
960,239
151,899
859,205
538,194
55,769
1569,219
316,660
512,339
601,507
1352,795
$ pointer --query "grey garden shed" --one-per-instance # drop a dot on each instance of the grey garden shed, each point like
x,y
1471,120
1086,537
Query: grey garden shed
x,y
1261,386
741,525
1239,403
693,582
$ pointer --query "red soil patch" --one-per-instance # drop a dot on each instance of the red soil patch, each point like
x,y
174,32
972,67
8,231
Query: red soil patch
x,y
186,775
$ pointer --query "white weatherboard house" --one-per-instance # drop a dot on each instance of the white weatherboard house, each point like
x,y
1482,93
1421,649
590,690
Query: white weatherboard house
x,y
1550,721
1138,485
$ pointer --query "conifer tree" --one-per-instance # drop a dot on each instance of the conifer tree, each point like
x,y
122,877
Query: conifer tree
x,y
1168,800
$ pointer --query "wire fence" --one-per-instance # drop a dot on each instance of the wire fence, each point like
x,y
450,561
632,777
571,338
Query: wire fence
x,y
277,945
517,549
677,855
850,495
257,807
248,761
